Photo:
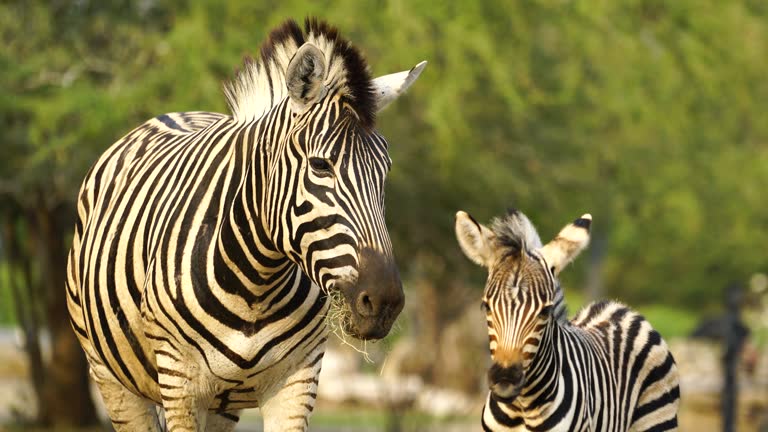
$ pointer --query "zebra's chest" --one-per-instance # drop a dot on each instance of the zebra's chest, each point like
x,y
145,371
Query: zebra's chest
x,y
236,341
239,367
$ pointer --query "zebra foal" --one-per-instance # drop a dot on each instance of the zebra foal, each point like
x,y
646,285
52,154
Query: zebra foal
x,y
208,247
605,370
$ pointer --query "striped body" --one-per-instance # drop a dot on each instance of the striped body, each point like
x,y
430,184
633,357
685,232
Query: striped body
x,y
605,370
207,245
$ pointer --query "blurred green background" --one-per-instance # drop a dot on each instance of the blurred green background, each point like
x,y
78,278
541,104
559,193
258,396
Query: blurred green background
x,y
649,114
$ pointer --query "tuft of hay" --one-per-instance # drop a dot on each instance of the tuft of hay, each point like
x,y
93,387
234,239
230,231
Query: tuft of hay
x,y
338,319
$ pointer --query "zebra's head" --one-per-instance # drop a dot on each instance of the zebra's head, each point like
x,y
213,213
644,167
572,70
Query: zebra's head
x,y
522,289
324,173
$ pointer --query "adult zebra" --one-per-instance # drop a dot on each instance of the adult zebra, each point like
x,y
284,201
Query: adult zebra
x,y
606,370
207,246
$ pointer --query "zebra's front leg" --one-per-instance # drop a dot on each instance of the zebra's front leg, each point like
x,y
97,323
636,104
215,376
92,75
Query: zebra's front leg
x,y
127,411
222,421
184,393
290,407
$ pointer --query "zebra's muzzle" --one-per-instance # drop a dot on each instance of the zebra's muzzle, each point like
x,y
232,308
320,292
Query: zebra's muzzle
x,y
506,383
376,299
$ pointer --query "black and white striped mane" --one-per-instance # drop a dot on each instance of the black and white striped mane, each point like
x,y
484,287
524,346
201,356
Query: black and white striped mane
x,y
260,84
515,231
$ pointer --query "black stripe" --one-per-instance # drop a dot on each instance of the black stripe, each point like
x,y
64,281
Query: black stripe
x,y
166,120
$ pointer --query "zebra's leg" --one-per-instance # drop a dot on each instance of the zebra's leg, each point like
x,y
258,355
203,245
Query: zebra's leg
x,y
290,407
185,393
185,411
222,421
127,411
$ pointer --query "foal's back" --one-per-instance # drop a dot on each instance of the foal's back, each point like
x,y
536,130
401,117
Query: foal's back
x,y
628,352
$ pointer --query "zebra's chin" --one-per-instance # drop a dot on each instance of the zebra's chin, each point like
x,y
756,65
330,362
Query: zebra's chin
x,y
505,393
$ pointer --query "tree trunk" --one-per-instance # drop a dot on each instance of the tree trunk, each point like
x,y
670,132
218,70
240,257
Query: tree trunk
x,y
429,302
68,397
27,307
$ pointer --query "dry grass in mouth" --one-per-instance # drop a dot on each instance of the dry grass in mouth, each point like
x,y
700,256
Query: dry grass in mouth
x,y
339,318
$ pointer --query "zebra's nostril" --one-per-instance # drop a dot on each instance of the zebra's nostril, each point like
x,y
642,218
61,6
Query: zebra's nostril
x,y
365,306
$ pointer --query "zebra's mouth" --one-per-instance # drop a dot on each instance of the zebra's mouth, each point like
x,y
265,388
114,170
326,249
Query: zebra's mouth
x,y
342,320
505,391
366,308
339,316
505,382
372,328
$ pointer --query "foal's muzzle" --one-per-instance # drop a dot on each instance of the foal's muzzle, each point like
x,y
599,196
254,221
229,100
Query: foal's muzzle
x,y
506,382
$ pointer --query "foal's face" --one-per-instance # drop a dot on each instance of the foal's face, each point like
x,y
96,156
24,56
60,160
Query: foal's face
x,y
521,289
518,302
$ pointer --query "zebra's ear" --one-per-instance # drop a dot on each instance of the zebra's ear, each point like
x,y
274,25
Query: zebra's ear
x,y
571,240
476,240
388,87
305,76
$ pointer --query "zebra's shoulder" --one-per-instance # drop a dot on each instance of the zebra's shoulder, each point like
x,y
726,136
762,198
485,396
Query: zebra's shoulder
x,y
158,131
185,122
153,135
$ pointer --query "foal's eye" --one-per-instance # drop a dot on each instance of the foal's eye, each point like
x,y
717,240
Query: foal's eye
x,y
545,311
320,165
484,306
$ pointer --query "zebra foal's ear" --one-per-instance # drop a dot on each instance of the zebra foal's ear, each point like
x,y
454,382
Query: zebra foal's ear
x,y
305,76
476,240
388,87
571,240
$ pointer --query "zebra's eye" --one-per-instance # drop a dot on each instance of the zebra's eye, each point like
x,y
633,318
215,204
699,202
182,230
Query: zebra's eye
x,y
545,311
484,306
320,165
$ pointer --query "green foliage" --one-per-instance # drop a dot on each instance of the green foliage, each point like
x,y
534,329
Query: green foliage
x,y
670,322
7,315
648,114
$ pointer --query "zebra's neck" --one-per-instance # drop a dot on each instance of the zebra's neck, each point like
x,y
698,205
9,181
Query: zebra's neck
x,y
246,255
560,310
542,383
